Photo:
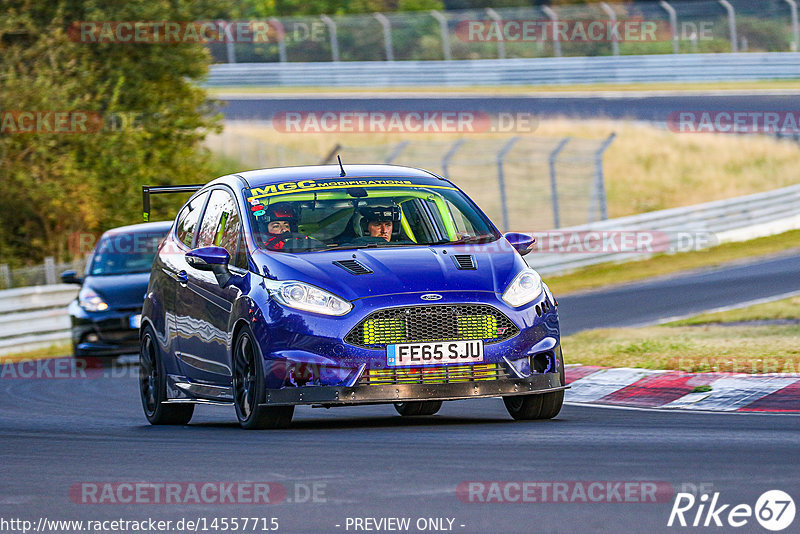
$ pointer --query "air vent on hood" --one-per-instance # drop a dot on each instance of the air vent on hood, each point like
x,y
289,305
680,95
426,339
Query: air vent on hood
x,y
353,266
464,261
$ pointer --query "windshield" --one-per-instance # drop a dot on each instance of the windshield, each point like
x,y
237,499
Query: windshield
x,y
125,253
388,214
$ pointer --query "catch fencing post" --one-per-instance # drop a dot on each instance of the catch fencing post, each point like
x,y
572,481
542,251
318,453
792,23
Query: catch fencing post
x,y
387,35
673,22
49,271
501,45
449,155
396,152
553,16
501,179
554,181
732,23
599,190
445,34
229,49
334,37
5,275
795,25
612,16
281,38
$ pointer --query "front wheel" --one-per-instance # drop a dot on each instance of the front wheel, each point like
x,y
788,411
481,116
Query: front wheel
x,y
408,409
528,407
153,386
249,392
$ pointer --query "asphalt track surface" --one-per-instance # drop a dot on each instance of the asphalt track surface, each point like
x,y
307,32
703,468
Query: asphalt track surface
x,y
618,106
687,294
369,462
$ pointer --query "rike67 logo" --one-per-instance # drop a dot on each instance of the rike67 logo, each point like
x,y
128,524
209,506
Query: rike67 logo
x,y
774,510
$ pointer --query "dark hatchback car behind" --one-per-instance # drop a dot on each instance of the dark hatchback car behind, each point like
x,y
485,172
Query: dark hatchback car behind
x,y
107,313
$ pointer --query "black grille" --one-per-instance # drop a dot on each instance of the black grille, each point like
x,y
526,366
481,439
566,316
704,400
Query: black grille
x,y
438,322
464,261
353,266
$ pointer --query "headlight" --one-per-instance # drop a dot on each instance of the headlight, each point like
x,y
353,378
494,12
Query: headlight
x,y
527,285
91,301
308,298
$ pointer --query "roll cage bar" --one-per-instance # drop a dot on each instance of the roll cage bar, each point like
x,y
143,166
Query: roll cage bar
x,y
148,190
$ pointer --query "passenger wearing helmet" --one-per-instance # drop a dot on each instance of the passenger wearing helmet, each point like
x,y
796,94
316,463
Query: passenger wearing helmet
x,y
380,222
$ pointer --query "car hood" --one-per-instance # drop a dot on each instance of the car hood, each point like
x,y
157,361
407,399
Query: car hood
x,y
120,291
399,270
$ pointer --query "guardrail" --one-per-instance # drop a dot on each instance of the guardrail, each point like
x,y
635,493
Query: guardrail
x,y
34,317
526,71
695,227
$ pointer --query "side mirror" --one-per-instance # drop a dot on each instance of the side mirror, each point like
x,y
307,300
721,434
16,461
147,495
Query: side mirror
x,y
523,243
212,259
71,277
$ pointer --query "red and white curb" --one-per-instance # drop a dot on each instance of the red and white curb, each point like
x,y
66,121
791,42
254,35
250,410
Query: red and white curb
x,y
642,388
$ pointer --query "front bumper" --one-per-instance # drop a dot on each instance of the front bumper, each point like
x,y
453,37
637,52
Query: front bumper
x,y
349,396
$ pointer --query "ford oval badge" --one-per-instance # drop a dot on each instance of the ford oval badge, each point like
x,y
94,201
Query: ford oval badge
x,y
431,296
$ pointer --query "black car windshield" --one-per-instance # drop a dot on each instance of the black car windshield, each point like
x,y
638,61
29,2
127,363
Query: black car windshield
x,y
386,215
125,253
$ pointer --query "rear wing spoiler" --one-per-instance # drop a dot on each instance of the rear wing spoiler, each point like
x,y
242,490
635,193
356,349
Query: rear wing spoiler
x,y
148,190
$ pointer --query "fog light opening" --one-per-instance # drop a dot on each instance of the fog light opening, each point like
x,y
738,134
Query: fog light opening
x,y
91,338
542,363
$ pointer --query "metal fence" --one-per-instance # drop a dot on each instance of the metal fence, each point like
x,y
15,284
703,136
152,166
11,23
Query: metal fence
x,y
682,26
37,275
521,182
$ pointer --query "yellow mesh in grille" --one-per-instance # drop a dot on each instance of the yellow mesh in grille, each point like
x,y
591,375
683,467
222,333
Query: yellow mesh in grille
x,y
478,326
384,331
433,375
389,331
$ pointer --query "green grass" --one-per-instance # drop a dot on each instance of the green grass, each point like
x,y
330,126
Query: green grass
x,y
770,311
705,348
667,264
52,351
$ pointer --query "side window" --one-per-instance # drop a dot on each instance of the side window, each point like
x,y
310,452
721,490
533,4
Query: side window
x,y
187,219
463,226
221,227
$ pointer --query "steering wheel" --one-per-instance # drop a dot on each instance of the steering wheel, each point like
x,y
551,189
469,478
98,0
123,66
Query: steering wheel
x,y
293,241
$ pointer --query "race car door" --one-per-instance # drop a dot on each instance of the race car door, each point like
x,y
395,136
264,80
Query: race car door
x,y
204,305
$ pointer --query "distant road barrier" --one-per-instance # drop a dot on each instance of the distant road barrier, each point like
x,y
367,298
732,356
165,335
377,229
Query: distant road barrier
x,y
690,227
506,72
34,317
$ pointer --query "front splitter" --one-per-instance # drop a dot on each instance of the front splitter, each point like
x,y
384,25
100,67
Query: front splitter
x,y
334,395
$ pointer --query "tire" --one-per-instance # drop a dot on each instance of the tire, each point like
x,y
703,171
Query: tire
x,y
249,391
408,409
530,407
153,386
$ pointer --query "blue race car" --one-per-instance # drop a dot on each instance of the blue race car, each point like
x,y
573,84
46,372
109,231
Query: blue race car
x,y
316,286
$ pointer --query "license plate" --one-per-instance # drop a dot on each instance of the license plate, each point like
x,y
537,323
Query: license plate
x,y
136,321
436,353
